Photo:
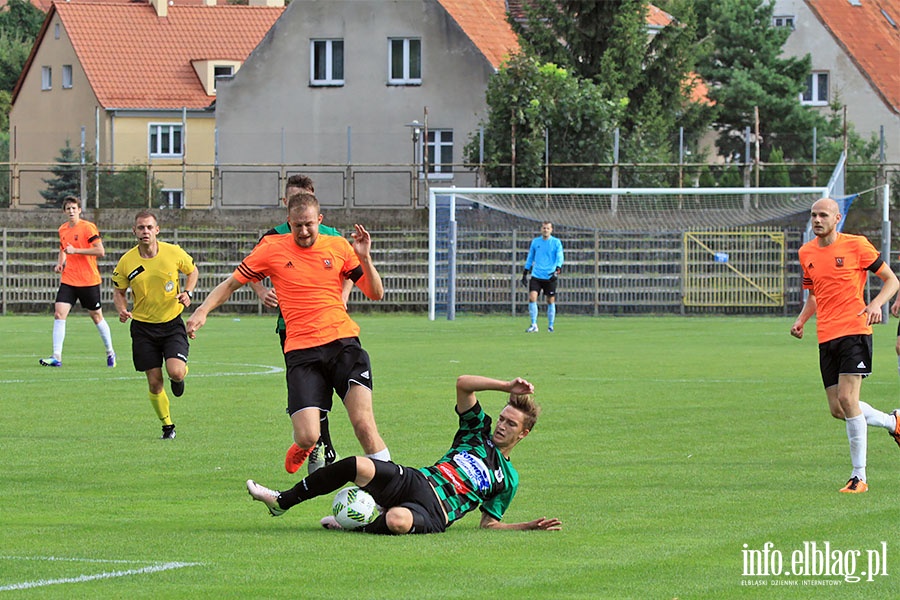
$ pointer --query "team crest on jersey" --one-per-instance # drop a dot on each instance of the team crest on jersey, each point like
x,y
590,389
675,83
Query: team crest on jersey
x,y
327,262
170,285
839,261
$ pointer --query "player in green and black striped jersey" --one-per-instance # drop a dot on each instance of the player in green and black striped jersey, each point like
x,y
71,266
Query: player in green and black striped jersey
x,y
475,472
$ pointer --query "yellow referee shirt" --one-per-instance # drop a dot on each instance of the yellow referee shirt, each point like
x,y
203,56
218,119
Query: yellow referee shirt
x,y
153,282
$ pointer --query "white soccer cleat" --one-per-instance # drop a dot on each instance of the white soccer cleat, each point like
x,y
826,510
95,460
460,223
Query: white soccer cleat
x,y
266,496
532,329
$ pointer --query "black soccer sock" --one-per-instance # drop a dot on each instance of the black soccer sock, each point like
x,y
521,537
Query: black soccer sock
x,y
325,436
327,479
378,526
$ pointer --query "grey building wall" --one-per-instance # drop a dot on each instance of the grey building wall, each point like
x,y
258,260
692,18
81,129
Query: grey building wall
x,y
269,114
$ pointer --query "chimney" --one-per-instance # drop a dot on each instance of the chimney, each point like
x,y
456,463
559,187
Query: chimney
x,y
209,2
161,6
269,3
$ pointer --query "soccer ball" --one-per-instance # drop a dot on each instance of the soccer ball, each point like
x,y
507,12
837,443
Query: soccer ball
x,y
353,508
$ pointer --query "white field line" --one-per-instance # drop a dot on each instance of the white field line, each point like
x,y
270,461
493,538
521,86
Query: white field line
x,y
264,370
152,568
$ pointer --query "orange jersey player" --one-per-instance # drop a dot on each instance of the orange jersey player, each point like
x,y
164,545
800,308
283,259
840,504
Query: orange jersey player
x,y
322,352
79,247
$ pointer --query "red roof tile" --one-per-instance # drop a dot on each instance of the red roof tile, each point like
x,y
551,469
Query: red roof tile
x,y
135,59
869,38
484,22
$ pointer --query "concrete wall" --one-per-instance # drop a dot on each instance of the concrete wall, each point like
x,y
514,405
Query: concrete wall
x,y
269,112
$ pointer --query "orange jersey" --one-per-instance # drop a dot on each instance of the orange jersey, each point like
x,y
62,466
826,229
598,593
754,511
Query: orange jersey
x,y
80,270
837,275
308,283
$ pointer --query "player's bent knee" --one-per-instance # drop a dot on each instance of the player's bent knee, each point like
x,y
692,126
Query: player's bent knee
x,y
399,520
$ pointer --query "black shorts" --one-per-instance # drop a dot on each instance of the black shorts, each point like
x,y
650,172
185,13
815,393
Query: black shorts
x,y
547,286
313,373
847,355
152,343
89,296
395,485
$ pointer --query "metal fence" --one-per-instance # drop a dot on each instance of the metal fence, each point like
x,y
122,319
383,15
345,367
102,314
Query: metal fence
x,y
604,273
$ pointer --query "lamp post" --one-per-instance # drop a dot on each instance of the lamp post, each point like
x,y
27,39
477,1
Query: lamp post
x,y
415,130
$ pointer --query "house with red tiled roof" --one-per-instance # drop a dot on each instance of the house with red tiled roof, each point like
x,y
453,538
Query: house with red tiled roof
x,y
131,83
395,88
855,50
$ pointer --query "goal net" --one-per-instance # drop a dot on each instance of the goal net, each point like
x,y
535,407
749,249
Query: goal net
x,y
622,210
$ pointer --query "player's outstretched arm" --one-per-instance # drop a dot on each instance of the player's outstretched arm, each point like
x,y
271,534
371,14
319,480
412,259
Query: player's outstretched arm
x,y
216,298
467,385
543,524
370,283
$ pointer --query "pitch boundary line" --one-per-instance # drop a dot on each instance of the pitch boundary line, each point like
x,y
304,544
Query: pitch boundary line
x,y
151,568
265,370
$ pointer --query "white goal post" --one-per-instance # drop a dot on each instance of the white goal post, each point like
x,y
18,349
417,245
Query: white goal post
x,y
648,210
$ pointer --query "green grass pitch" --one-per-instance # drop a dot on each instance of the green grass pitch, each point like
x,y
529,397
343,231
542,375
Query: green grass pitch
x,y
669,447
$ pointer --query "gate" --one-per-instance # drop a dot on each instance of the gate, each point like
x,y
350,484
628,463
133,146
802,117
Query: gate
x,y
734,268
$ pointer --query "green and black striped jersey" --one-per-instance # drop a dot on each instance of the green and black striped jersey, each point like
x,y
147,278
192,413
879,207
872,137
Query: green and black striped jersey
x,y
473,472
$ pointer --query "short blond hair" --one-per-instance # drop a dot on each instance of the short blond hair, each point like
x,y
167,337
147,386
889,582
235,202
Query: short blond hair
x,y
525,404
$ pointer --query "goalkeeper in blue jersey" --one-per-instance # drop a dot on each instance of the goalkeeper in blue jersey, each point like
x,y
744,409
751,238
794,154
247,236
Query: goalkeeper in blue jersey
x,y
475,473
544,262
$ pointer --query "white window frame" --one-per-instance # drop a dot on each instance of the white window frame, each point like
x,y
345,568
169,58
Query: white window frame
x,y
67,77
437,169
327,45
817,96
785,21
165,131
406,78
171,198
46,78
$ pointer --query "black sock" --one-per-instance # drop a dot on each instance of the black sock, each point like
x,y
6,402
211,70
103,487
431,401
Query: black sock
x,y
325,436
327,479
378,526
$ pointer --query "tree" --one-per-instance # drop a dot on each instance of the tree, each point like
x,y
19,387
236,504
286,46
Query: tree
x,y
743,65
639,81
530,100
20,24
66,180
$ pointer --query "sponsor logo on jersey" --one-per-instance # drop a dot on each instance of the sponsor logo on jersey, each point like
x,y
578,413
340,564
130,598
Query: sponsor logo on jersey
x,y
475,469
134,273
452,476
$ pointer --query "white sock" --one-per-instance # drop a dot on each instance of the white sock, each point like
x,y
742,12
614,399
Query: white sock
x,y
876,418
384,455
105,335
59,335
857,434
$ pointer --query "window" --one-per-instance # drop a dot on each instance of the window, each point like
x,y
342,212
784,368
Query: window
x,y
165,140
405,61
816,92
67,77
783,21
440,153
171,199
56,31
326,62
46,78
222,71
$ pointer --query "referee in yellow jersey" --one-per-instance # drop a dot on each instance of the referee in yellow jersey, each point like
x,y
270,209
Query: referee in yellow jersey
x,y
158,334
